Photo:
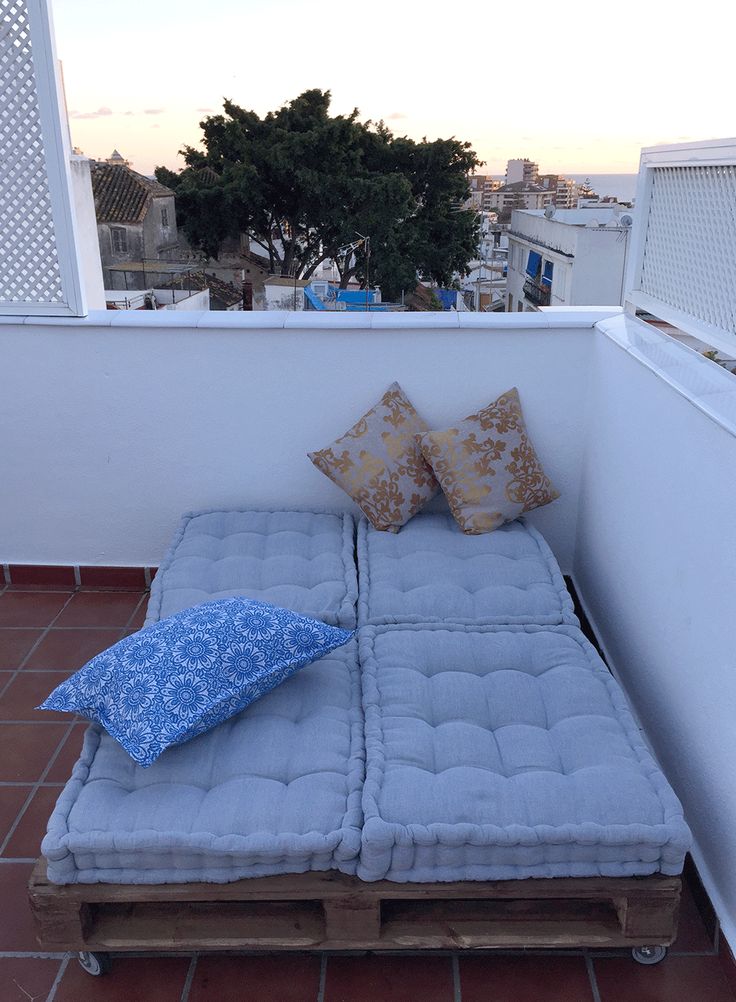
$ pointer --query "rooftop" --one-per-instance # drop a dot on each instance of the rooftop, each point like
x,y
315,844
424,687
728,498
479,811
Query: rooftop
x,y
599,215
49,626
117,421
121,194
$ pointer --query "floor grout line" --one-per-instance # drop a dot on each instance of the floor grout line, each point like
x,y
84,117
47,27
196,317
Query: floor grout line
x,y
31,955
456,989
70,629
189,978
592,978
134,613
322,978
57,980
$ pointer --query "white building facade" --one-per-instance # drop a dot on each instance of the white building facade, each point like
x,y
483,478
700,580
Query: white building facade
x,y
575,257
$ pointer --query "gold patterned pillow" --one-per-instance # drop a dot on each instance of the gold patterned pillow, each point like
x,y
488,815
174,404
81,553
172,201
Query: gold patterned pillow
x,y
379,464
487,466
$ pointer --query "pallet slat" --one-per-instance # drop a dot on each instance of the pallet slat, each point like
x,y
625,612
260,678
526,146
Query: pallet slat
x,y
331,911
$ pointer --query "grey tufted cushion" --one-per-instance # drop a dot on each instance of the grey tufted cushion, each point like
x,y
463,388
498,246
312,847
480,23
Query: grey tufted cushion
x,y
498,753
432,571
275,789
300,560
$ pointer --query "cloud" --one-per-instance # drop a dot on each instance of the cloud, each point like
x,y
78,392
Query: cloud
x,y
397,114
129,113
157,126
100,113
154,111
205,111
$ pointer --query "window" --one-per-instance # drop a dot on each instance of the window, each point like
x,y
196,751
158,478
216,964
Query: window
x,y
534,264
164,217
520,308
119,238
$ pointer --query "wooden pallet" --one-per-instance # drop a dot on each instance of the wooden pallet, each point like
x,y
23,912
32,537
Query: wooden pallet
x,y
331,911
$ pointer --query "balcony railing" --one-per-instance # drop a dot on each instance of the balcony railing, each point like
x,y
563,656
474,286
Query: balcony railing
x,y
537,293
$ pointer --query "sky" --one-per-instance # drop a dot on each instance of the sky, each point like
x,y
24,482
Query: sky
x,y
578,88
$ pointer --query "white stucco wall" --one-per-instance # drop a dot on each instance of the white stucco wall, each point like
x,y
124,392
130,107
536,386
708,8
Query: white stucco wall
x,y
115,425
113,431
656,564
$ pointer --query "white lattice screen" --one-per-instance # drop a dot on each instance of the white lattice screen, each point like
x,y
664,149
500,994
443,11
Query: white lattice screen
x,y
684,267
39,270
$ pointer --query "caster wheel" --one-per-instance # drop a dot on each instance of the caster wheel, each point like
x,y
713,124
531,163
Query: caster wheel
x,y
94,963
649,954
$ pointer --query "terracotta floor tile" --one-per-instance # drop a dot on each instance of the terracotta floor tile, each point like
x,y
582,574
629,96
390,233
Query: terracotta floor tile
x,y
125,578
525,979
61,770
25,750
25,979
17,929
42,575
692,936
676,979
70,649
31,608
25,842
27,690
12,799
14,645
265,979
389,979
99,608
144,979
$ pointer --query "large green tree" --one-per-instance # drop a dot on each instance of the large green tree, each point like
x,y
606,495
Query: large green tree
x,y
305,185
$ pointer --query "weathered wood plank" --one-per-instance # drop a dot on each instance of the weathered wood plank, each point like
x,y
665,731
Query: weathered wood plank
x,y
321,911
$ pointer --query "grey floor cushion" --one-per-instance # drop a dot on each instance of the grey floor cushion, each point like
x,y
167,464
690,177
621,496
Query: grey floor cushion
x,y
275,789
431,571
301,560
496,753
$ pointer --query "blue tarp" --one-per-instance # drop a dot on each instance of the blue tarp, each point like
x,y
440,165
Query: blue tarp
x,y
533,264
357,296
448,298
547,276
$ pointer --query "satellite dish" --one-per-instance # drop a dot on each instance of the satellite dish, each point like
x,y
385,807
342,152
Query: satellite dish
x,y
626,220
549,211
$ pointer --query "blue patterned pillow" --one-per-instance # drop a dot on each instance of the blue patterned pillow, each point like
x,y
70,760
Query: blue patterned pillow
x,y
184,675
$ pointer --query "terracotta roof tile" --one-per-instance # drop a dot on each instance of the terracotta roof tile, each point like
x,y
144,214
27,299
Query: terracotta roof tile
x,y
122,195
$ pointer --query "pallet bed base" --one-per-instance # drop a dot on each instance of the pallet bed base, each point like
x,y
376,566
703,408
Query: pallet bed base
x,y
331,911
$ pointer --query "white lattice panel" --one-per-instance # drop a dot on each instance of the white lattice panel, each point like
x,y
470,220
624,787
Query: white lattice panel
x,y
35,201
684,260
690,248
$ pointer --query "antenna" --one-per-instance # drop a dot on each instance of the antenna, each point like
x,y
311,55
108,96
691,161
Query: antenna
x,y
626,220
549,211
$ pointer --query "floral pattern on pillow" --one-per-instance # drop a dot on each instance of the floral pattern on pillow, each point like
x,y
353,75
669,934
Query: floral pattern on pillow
x,y
184,675
379,463
487,466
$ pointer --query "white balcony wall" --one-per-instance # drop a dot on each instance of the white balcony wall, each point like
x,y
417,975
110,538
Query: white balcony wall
x,y
110,432
656,564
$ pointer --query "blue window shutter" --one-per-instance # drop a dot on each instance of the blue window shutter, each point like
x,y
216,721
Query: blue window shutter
x,y
548,270
533,264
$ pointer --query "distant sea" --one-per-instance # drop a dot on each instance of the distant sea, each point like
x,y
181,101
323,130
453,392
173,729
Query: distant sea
x,y
622,186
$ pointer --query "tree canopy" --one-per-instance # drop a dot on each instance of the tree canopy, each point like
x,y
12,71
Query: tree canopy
x,y
304,185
